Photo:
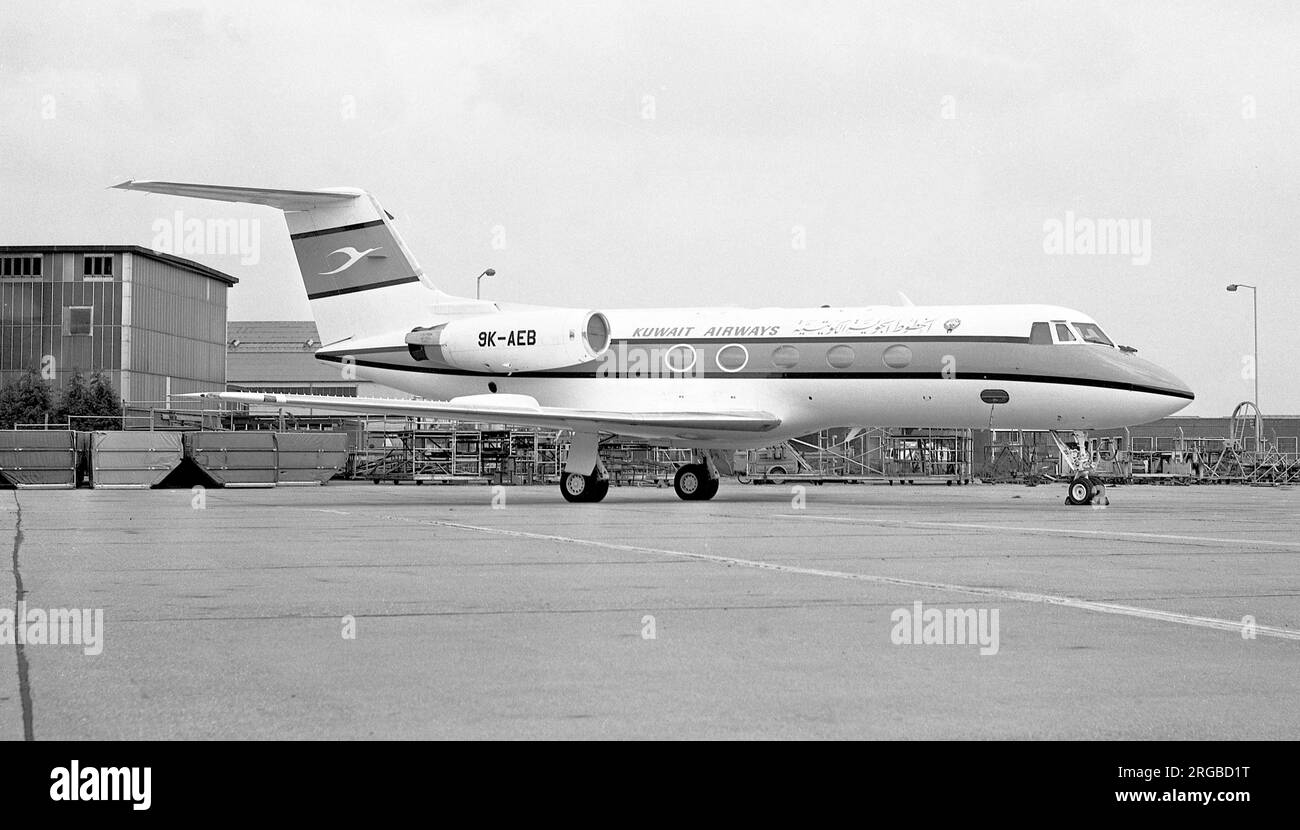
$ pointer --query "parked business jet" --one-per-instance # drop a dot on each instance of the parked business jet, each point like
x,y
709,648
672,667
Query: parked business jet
x,y
711,379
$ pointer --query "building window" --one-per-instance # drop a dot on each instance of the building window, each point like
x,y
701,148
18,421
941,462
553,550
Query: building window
x,y
97,265
23,265
77,320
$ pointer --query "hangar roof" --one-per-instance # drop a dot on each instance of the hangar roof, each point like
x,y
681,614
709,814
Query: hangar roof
x,y
276,351
181,262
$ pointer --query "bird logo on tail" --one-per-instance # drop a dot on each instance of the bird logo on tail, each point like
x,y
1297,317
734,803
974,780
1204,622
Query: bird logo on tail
x,y
354,256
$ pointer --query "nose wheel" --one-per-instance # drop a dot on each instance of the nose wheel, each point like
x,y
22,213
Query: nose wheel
x,y
1086,489
693,483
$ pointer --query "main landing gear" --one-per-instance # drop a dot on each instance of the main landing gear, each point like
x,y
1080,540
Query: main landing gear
x,y
697,481
577,487
692,483
584,454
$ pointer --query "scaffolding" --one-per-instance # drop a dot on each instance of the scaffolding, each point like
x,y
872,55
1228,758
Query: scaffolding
x,y
863,454
411,450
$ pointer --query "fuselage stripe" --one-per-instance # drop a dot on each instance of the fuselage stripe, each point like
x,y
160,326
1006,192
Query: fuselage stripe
x,y
594,374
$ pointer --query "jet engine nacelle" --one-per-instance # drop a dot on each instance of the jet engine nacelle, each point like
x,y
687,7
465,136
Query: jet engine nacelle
x,y
515,341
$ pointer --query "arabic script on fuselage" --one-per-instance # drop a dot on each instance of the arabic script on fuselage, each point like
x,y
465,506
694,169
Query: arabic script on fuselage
x,y
897,325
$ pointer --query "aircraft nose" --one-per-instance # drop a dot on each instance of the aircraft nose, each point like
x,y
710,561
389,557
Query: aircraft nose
x,y
1146,376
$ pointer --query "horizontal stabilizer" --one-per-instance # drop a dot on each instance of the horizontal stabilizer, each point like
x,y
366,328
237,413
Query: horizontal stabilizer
x,y
283,199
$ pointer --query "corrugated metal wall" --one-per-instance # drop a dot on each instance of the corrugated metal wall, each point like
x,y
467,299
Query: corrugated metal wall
x,y
175,325
178,330
31,321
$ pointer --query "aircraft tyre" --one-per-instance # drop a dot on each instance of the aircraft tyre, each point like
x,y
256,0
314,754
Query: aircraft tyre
x,y
1080,490
576,487
692,483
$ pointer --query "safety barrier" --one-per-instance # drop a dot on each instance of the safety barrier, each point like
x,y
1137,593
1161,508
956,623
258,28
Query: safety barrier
x,y
309,457
234,459
133,460
32,459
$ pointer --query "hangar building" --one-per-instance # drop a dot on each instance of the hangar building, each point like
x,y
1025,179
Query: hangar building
x,y
277,356
156,323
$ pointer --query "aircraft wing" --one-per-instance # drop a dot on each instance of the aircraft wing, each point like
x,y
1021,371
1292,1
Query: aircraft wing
x,y
525,411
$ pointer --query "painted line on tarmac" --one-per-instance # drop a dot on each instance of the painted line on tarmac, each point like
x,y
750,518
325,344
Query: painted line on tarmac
x,y
991,593
1063,530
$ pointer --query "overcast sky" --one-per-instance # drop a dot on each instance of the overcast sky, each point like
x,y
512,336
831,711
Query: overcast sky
x,y
697,153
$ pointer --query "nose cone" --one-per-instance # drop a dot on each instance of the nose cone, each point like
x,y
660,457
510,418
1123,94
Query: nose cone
x,y
1164,393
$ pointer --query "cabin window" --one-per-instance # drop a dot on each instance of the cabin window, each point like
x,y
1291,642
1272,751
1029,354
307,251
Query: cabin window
x,y
680,358
992,396
785,357
840,357
897,356
732,357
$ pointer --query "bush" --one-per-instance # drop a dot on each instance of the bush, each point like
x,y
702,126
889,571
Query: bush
x,y
26,399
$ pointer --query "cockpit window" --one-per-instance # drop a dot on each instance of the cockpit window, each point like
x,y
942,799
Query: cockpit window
x,y
1092,333
1063,333
1040,334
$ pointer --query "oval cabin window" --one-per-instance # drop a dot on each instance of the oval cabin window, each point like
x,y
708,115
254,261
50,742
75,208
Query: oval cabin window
x,y
897,356
840,357
680,358
732,357
785,357
995,396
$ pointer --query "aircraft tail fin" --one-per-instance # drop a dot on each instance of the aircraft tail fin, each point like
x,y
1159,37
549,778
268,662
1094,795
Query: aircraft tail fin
x,y
359,276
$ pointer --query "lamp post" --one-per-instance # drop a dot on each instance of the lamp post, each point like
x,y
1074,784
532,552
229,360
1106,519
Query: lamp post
x,y
1255,302
478,284
1254,294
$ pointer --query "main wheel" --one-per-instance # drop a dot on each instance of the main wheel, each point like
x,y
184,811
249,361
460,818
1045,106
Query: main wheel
x,y
710,489
598,487
577,487
1080,491
690,482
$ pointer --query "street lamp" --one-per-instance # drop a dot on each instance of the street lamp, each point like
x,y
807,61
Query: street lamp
x,y
478,284
1254,294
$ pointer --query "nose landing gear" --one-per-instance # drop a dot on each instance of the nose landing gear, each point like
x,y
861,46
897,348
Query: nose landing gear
x,y
1086,489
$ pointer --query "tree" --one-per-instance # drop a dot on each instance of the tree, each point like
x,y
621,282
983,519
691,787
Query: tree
x,y
26,399
106,400
82,399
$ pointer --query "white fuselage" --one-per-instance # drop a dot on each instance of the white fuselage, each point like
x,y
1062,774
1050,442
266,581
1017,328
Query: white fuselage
x,y
937,366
